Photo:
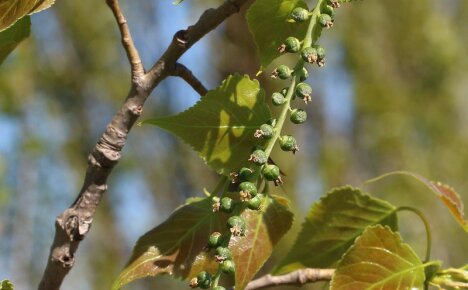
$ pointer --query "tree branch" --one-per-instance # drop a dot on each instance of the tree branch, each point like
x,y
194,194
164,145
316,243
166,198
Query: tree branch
x,y
296,278
183,72
72,225
127,42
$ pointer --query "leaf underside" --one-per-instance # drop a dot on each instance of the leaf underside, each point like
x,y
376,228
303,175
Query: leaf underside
x,y
332,225
221,126
379,259
11,37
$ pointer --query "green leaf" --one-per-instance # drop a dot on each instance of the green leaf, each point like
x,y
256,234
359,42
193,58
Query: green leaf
x,y
445,193
11,37
221,126
268,23
451,279
176,246
379,260
6,285
263,231
13,10
332,225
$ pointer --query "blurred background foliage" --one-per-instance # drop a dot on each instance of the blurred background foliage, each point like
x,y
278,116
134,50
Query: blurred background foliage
x,y
393,95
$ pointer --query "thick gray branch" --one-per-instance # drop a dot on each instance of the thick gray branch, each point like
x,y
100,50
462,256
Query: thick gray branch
x,y
73,224
296,278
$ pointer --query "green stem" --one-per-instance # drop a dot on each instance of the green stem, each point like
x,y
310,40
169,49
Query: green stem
x,y
426,225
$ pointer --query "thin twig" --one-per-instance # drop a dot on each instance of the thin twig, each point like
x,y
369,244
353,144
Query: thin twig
x,y
127,42
183,72
296,278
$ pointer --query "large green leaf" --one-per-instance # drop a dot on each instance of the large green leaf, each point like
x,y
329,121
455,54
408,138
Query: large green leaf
x,y
379,260
263,231
13,10
6,285
11,37
268,23
175,247
332,225
221,126
445,193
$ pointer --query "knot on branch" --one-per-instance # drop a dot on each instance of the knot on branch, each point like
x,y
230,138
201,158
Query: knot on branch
x,y
181,38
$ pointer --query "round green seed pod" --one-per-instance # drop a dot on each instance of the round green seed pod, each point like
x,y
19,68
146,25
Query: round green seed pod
x,y
222,254
288,143
247,189
328,9
304,74
228,267
236,225
266,131
215,240
245,174
277,99
283,72
284,91
204,280
227,204
271,172
325,21
298,116
320,51
292,45
219,288
258,157
303,91
309,54
255,203
300,14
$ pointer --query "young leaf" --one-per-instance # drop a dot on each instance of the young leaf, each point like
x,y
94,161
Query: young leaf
x,y
12,11
11,37
379,260
268,23
445,193
176,246
263,231
6,285
451,279
332,225
221,126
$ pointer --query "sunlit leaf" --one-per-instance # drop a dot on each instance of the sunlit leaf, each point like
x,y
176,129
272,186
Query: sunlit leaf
x,y
175,247
451,279
445,193
221,126
379,259
263,231
13,10
11,37
332,225
268,22
6,285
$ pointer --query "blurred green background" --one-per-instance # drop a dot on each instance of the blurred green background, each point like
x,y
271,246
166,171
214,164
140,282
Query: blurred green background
x,y
393,95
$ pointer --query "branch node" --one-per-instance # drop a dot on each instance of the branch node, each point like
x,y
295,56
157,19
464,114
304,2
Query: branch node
x,y
180,37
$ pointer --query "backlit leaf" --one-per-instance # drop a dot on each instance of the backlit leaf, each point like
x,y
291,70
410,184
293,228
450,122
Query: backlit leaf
x,y
11,37
6,285
263,231
268,23
379,260
221,126
332,225
13,10
445,193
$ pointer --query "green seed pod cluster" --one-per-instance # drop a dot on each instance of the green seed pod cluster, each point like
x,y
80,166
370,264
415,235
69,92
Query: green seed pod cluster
x,y
244,174
291,45
277,99
304,91
227,205
266,131
228,267
325,21
236,226
333,3
320,55
222,254
288,143
215,240
247,190
284,91
299,14
258,157
255,202
304,74
282,72
298,116
309,54
328,9
271,172
203,280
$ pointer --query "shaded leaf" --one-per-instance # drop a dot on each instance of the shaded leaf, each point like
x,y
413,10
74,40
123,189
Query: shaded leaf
x,y
379,260
221,126
332,225
445,193
6,285
11,37
13,10
263,231
176,246
267,20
